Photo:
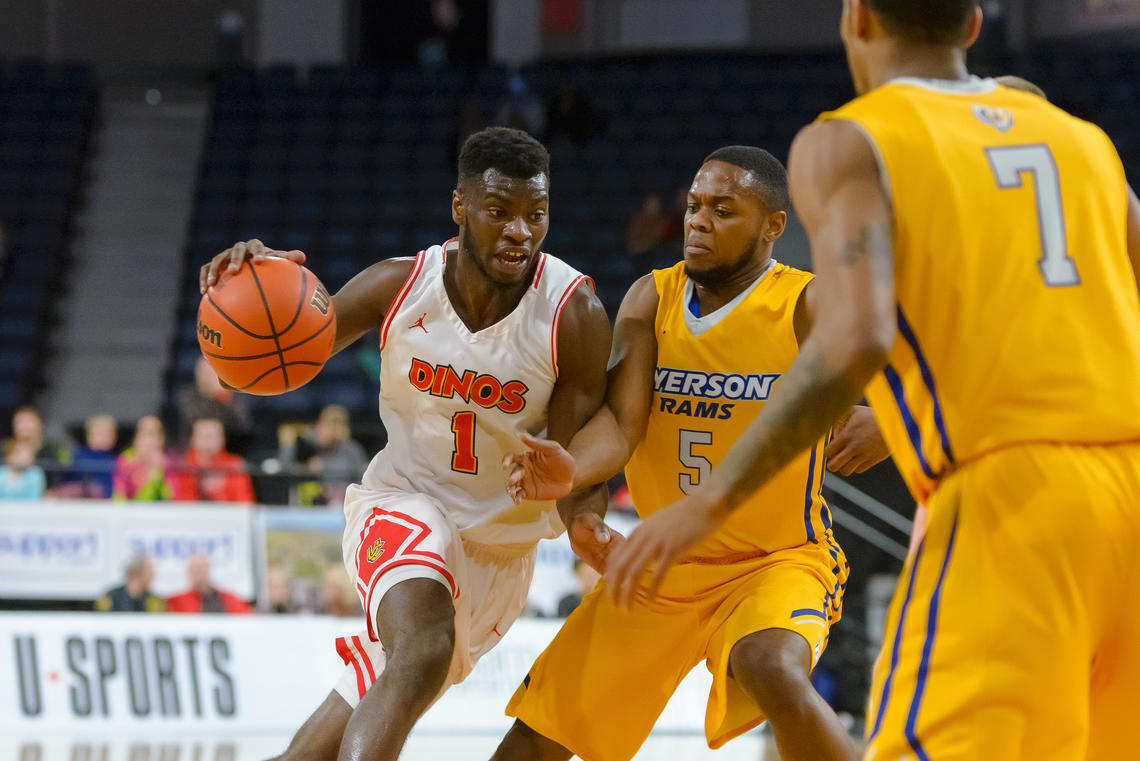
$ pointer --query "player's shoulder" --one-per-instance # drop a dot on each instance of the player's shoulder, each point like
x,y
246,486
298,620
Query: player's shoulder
x,y
561,284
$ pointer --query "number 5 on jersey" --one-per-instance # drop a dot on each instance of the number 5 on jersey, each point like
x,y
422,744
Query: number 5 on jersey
x,y
692,460
463,459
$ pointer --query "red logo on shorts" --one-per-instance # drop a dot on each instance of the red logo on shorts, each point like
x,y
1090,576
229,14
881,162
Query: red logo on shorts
x,y
419,323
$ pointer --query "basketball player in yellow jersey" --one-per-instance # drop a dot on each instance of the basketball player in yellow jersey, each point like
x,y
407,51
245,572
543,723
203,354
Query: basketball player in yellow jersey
x,y
978,251
698,348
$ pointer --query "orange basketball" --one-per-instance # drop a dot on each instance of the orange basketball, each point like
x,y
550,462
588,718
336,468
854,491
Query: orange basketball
x,y
268,328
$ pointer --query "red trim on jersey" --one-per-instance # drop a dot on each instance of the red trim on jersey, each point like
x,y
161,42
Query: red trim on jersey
x,y
443,249
558,316
364,657
400,296
538,270
345,653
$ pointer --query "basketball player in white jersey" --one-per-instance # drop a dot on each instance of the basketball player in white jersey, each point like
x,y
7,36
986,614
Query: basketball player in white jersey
x,y
482,338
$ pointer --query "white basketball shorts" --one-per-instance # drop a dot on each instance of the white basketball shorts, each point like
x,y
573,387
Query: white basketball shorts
x,y
394,536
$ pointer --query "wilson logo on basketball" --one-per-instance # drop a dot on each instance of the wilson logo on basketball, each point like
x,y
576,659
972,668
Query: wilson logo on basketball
x,y
485,390
209,335
320,299
375,551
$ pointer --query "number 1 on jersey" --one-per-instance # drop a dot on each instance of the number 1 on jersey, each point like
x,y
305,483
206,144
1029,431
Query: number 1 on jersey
x,y
463,459
1008,164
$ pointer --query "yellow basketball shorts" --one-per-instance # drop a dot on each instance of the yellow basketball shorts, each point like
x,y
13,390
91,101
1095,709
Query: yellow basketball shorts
x,y
1014,632
605,678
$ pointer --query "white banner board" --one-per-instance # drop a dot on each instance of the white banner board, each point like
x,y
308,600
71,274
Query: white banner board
x,y
77,550
93,675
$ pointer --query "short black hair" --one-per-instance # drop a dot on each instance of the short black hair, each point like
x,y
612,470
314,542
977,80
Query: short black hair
x,y
511,151
769,178
938,22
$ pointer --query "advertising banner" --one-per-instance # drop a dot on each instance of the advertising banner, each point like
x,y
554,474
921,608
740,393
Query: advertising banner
x,y
127,675
77,550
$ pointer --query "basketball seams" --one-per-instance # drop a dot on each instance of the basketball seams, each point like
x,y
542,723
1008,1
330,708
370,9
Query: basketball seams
x,y
300,303
272,327
231,320
259,378
322,329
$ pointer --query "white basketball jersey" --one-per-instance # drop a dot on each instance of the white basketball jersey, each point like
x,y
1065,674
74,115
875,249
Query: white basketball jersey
x,y
454,402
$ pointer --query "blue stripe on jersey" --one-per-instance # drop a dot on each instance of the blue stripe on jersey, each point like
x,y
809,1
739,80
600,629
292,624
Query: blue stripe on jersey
x,y
808,496
912,431
927,648
886,694
808,612
928,379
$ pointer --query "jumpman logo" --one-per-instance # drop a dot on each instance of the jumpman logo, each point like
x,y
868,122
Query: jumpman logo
x,y
419,323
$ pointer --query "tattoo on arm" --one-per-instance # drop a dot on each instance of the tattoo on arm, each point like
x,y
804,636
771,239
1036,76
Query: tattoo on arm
x,y
873,242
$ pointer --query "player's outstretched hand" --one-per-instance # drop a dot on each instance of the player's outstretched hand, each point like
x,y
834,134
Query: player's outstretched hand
x,y
661,540
857,444
593,540
545,470
231,259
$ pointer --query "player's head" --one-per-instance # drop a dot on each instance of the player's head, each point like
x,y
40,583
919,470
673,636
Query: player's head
x,y
1024,85
874,30
737,207
501,202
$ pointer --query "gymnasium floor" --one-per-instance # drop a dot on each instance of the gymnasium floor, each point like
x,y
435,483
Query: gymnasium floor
x,y
421,747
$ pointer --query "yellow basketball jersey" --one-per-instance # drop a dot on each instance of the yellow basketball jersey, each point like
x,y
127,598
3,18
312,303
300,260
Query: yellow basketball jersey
x,y
1018,317
713,376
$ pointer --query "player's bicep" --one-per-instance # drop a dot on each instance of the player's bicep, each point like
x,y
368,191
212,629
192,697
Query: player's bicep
x,y
633,360
583,346
1134,234
838,191
361,304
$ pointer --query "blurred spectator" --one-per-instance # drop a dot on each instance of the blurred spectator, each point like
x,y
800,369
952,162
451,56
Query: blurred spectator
x,y
20,477
570,115
28,429
674,225
93,463
207,398
208,473
203,596
142,472
330,453
587,580
279,591
521,108
134,595
645,231
336,596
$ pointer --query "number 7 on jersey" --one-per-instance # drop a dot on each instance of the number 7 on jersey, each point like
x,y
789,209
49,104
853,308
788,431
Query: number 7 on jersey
x,y
1009,163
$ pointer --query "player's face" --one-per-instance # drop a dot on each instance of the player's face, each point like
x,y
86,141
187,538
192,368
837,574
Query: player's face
x,y
724,220
502,222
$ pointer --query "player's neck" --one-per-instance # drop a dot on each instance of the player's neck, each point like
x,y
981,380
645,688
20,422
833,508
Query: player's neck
x,y
479,301
920,62
712,298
